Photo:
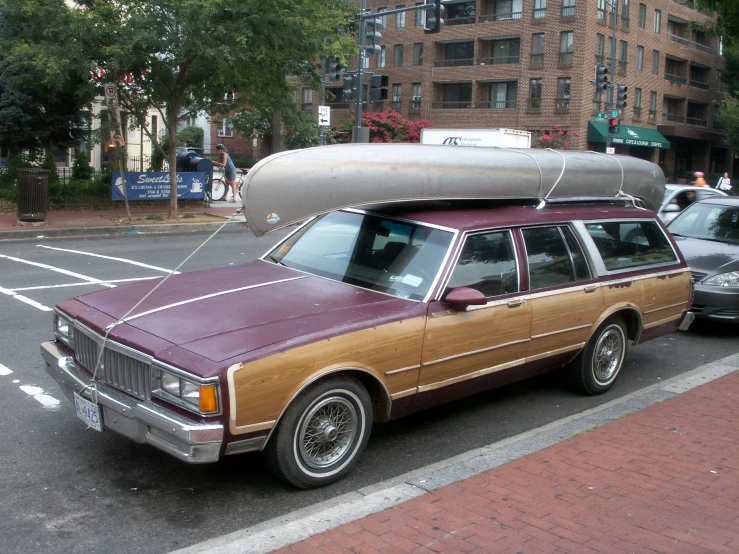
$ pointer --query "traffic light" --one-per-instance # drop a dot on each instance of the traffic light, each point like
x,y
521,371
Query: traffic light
x,y
621,96
335,69
613,126
372,36
378,87
601,77
349,91
434,22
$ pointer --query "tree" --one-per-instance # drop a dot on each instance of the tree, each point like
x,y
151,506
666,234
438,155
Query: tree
x,y
184,56
191,136
44,75
388,126
727,17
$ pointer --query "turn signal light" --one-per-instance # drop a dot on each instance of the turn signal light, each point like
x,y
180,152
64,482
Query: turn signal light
x,y
208,399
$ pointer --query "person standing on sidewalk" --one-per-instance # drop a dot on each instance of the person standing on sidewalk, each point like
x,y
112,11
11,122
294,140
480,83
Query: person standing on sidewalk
x,y
229,170
724,183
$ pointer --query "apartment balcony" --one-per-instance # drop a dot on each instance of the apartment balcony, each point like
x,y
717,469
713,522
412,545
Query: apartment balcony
x,y
540,15
496,105
466,20
696,122
689,43
673,117
562,105
699,84
501,16
456,62
499,60
675,79
567,11
452,105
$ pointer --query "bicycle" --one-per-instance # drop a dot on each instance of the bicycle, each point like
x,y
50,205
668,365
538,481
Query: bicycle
x,y
218,186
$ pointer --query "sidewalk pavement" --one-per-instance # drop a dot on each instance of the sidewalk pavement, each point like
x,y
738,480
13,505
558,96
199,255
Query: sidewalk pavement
x,y
662,479
64,223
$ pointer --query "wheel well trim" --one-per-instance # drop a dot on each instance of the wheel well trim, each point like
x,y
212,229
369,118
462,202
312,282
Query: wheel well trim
x,y
331,373
620,309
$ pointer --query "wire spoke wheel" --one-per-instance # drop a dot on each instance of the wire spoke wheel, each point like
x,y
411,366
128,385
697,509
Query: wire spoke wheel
x,y
608,355
326,432
596,368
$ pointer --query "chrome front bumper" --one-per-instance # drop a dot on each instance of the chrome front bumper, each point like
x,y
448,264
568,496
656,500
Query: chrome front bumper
x,y
139,420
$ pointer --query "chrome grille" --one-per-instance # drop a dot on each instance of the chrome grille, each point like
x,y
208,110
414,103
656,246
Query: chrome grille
x,y
117,369
697,275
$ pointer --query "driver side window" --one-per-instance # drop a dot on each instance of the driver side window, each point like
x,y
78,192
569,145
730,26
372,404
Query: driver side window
x,y
487,264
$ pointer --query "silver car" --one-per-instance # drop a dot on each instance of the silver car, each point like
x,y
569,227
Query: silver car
x,y
707,234
679,197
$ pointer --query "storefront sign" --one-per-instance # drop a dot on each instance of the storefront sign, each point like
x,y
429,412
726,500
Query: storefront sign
x,y
155,185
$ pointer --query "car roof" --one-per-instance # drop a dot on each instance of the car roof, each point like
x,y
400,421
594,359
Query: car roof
x,y
722,200
469,217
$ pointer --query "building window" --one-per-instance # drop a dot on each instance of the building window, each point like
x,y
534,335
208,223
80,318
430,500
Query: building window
x,y
503,95
398,60
400,18
657,21
642,16
655,62
565,47
537,49
640,58
380,60
540,9
505,51
602,11
535,94
625,13
307,100
418,53
397,96
459,53
504,10
623,56
720,84
637,102
415,97
652,105
225,129
562,102
600,48
420,16
568,8
455,96
382,18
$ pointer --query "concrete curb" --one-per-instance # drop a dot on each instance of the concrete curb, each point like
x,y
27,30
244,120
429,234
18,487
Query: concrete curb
x,y
302,524
41,232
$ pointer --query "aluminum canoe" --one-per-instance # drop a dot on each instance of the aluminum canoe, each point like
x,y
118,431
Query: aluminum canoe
x,y
291,186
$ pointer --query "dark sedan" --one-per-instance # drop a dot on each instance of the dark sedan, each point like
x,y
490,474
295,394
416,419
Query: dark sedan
x,y
707,233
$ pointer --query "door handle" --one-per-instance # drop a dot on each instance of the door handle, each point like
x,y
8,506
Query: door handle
x,y
516,302
590,288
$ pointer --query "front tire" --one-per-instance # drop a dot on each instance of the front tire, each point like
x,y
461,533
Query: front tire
x,y
596,368
219,190
322,434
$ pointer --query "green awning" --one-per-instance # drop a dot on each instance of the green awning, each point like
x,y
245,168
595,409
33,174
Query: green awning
x,y
628,135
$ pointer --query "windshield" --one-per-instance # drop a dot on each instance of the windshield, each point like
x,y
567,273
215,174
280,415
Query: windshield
x,y
377,253
709,222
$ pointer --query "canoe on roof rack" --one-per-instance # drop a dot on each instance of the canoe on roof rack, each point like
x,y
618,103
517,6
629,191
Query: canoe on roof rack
x,y
294,185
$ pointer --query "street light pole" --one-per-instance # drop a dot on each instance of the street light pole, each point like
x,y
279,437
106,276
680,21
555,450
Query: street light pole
x,y
609,102
360,63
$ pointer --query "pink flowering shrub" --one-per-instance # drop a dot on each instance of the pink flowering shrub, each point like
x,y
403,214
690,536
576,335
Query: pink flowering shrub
x,y
389,126
555,138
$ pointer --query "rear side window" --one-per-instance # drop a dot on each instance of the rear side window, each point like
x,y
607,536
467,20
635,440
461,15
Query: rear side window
x,y
488,264
630,244
554,257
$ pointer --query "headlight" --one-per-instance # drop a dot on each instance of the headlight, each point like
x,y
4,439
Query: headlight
x,y
730,279
192,395
63,329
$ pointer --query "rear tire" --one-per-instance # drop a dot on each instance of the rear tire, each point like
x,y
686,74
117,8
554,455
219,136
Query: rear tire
x,y
596,368
218,186
322,434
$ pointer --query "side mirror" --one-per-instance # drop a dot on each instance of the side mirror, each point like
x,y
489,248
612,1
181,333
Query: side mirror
x,y
461,297
672,208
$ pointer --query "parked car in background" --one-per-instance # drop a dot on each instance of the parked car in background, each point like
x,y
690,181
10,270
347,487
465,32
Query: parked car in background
x,y
679,197
707,233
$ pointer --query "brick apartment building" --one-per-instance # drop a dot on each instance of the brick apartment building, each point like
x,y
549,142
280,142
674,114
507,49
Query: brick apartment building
x,y
527,64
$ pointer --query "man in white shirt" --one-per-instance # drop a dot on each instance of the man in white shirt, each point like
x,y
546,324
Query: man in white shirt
x,y
724,183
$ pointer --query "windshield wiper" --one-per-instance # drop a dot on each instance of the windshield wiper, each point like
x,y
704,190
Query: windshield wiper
x,y
275,260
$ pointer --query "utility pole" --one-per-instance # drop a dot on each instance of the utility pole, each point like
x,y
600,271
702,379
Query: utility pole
x,y
321,128
610,105
358,110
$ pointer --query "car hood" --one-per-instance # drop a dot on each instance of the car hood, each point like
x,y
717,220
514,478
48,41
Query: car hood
x,y
223,313
709,256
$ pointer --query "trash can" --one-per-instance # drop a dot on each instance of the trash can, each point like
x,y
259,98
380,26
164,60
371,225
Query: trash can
x,y
33,193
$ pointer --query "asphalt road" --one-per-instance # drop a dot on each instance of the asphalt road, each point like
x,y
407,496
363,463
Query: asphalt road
x,y
67,489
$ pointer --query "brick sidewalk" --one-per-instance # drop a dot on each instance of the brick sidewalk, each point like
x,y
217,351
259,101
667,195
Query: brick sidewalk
x,y
665,479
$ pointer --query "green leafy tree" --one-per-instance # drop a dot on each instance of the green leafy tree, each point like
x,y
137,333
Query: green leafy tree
x,y
191,136
81,170
183,56
727,17
49,164
730,121
44,75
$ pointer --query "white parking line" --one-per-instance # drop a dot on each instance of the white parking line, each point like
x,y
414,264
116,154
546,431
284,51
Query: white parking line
x,y
5,371
86,284
37,393
58,270
25,300
124,260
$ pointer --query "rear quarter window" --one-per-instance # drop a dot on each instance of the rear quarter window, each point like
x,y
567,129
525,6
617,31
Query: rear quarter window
x,y
631,244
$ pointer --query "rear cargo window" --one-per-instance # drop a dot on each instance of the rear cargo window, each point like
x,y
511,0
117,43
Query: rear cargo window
x,y
630,244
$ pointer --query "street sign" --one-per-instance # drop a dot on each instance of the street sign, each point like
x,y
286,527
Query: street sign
x,y
600,115
614,113
324,116
610,150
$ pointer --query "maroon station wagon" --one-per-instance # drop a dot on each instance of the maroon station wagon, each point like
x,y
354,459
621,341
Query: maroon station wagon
x,y
366,314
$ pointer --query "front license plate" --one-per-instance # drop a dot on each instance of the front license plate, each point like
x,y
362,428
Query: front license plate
x,y
89,412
